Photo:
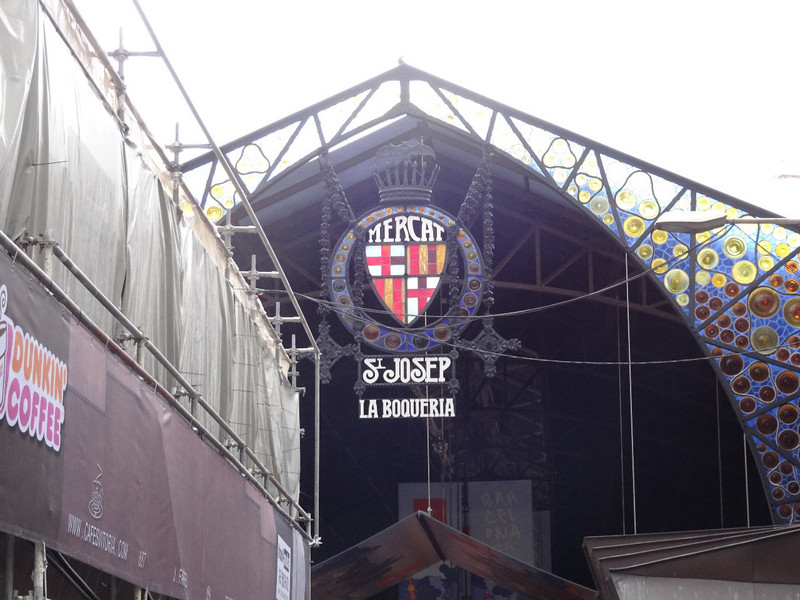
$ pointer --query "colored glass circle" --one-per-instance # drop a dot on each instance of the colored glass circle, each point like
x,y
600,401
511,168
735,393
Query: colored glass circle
x,y
676,281
791,312
626,199
731,364
707,258
764,339
764,302
767,424
788,439
744,272
633,226
734,247
787,382
788,413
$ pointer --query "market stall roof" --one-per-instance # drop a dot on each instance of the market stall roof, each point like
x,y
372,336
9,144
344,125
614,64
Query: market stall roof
x,y
419,541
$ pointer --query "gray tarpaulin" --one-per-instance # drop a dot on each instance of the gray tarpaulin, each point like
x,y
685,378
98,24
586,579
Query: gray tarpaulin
x,y
69,176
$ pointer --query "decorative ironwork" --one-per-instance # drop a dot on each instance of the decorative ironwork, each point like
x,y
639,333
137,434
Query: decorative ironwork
x,y
719,281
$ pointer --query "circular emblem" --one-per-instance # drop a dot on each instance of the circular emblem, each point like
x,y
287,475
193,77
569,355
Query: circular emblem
x,y
406,250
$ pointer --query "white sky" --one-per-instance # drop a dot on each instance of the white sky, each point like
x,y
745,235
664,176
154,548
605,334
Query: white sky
x,y
707,89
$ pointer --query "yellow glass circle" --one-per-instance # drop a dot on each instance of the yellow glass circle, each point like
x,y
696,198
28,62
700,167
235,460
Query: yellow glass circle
x,y
718,280
214,213
782,250
707,258
734,247
228,203
599,205
648,209
682,299
560,175
676,281
793,240
703,203
580,179
645,251
765,263
659,266
779,233
216,191
595,184
626,199
659,236
702,237
608,219
744,272
572,189
702,277
680,251
764,247
584,196
633,226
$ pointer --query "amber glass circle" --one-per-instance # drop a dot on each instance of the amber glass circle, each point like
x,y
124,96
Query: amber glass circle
x,y
393,341
787,468
724,321
778,493
715,303
782,354
731,364
795,359
788,413
791,312
770,459
793,487
726,336
740,385
767,424
791,266
742,341
776,280
702,312
712,331
747,404
764,302
701,297
793,342
785,511
741,325
731,289
441,332
758,371
775,478
739,309
767,393
787,382
788,439
716,352
791,286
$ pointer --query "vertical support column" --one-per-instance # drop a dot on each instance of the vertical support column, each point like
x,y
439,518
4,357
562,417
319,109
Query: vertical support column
x,y
9,591
38,571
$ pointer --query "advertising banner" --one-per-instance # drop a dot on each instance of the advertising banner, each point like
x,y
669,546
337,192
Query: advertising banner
x,y
102,469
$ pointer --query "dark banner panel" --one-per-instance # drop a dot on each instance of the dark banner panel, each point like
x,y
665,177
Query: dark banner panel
x,y
98,466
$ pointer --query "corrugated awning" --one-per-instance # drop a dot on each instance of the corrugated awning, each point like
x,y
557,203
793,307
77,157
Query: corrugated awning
x,y
419,541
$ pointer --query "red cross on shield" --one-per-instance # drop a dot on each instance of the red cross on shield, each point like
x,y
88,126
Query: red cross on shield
x,y
406,277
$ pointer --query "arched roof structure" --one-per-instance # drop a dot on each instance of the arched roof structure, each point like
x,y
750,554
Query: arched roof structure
x,y
734,289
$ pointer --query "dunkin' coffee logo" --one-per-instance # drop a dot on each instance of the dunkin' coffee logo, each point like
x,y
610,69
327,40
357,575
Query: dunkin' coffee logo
x,y
32,382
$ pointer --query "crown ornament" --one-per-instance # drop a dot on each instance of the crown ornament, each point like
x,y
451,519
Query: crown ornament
x,y
405,173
